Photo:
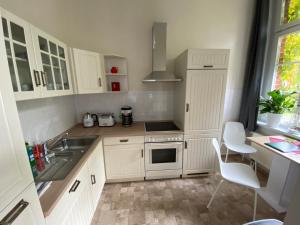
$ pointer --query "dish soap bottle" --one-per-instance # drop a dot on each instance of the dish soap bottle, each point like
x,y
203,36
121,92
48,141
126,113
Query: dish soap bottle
x,y
32,161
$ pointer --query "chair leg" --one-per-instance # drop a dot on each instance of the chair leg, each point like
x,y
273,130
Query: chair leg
x,y
214,194
227,150
255,205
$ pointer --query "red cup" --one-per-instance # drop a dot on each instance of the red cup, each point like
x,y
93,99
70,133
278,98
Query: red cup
x,y
114,69
115,86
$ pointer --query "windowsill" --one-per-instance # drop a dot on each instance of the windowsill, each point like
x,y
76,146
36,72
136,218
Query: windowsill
x,y
281,130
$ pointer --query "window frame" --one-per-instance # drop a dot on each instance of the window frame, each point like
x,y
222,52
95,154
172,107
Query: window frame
x,y
276,30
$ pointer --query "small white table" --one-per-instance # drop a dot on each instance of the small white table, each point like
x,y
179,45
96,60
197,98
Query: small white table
x,y
283,188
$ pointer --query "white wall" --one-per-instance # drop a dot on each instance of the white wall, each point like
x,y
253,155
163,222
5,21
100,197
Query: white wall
x,y
124,28
43,119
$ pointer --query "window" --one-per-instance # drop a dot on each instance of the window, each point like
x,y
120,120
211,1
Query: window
x,y
290,11
287,66
283,59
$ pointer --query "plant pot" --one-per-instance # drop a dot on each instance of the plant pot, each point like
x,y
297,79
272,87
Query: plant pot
x,y
273,119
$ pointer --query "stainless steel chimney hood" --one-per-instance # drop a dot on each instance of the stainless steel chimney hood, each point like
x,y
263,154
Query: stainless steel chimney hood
x,y
159,44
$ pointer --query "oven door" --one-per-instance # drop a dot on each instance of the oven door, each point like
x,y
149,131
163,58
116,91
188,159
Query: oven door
x,y
163,156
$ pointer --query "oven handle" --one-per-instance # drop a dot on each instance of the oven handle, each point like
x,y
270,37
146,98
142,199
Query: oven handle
x,y
166,143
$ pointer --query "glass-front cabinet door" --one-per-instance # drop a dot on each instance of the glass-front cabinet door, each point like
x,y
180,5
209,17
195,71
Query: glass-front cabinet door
x,y
52,61
25,79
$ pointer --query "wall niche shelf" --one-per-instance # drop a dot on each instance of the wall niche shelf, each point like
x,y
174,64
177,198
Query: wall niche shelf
x,y
119,79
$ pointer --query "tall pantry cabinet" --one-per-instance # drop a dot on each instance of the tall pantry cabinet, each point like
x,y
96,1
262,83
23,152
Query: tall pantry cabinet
x,y
199,111
19,203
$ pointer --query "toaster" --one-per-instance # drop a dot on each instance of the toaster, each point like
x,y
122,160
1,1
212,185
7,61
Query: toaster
x,y
106,120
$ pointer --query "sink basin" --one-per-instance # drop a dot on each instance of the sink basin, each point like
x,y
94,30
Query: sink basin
x,y
73,143
67,153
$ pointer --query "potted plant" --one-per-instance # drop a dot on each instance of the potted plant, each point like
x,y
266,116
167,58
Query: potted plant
x,y
277,104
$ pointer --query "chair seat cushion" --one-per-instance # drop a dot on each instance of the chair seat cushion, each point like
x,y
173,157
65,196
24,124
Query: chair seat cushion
x,y
241,148
241,174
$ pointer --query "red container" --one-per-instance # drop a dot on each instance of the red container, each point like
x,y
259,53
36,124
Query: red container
x,y
114,69
115,86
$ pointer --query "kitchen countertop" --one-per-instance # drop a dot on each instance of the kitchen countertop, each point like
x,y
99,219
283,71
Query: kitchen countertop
x,y
137,129
57,188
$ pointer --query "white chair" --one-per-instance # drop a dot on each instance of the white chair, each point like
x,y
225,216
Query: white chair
x,y
238,173
234,139
265,222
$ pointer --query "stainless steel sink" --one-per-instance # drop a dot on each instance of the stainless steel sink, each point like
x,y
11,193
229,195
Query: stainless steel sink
x,y
65,155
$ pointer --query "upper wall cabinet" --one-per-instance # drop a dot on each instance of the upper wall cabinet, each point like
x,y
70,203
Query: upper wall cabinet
x,y
88,70
52,63
20,55
38,63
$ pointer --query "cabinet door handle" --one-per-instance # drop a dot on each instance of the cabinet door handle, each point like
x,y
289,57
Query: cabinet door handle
x,y
93,179
208,66
100,82
14,213
142,153
44,79
124,140
187,107
185,144
37,78
74,186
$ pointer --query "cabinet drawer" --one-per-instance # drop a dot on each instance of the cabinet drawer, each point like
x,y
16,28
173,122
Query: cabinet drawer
x,y
124,140
69,198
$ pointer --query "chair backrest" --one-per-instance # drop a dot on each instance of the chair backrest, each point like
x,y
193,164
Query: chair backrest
x,y
234,133
217,149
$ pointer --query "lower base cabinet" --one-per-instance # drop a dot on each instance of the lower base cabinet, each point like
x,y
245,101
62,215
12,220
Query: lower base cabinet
x,y
199,155
24,210
124,162
79,202
97,173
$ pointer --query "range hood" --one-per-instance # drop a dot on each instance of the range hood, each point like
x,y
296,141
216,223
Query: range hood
x,y
159,44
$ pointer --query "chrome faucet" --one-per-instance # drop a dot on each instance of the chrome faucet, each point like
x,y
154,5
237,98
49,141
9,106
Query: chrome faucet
x,y
52,142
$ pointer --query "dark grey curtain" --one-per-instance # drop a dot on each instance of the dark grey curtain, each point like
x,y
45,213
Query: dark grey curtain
x,y
254,65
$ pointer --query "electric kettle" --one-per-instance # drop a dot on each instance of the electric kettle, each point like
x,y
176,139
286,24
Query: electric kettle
x,y
87,120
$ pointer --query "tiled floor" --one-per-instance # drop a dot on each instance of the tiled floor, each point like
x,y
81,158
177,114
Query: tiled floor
x,y
179,202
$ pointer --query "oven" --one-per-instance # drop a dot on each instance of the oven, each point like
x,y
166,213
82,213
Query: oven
x,y
163,157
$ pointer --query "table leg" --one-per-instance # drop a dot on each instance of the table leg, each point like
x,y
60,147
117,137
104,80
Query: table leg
x,y
276,183
293,215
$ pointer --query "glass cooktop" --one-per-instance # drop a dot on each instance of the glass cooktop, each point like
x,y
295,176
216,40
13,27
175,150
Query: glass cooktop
x,y
161,126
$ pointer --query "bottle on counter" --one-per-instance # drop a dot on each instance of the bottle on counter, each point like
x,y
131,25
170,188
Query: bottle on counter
x,y
32,161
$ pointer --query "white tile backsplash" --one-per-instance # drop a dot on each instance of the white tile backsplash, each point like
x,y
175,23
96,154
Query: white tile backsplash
x,y
147,105
42,119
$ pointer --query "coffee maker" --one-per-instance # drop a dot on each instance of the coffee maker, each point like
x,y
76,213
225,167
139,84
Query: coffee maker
x,y
126,114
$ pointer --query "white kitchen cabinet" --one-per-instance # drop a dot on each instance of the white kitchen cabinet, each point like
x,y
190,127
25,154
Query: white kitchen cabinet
x,y
199,155
200,104
82,211
25,78
97,173
38,62
77,204
124,161
204,100
19,204
15,171
207,59
68,208
52,63
24,210
88,70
